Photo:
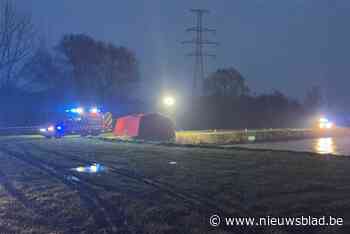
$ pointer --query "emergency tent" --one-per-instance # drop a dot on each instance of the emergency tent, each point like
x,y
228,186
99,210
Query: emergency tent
x,y
145,126
127,126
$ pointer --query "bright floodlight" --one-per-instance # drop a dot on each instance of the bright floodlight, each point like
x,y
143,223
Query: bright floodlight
x,y
329,125
169,101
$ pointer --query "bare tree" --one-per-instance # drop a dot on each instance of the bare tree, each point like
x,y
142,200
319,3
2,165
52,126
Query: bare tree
x,y
41,72
16,43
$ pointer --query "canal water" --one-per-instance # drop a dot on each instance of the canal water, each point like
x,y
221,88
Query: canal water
x,y
327,145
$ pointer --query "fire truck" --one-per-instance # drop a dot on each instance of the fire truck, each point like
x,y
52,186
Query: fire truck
x,y
77,121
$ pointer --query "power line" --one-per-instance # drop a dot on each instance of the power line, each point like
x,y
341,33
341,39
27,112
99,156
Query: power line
x,y
199,42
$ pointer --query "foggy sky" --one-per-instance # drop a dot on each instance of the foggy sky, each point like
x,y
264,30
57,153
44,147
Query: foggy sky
x,y
288,45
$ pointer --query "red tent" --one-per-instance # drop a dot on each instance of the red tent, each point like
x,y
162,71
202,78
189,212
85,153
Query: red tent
x,y
127,126
145,126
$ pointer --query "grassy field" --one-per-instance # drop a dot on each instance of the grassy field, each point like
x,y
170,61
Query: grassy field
x,y
158,189
261,135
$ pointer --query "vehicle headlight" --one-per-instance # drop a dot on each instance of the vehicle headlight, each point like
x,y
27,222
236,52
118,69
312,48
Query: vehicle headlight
x,y
42,130
50,129
324,123
329,125
80,110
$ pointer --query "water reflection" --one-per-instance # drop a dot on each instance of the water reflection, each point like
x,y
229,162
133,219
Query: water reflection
x,y
94,168
325,146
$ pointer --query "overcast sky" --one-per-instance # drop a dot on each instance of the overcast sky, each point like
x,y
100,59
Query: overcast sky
x,y
288,45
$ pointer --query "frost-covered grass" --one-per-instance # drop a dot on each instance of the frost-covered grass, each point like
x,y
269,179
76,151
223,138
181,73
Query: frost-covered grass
x,y
245,136
158,189
222,137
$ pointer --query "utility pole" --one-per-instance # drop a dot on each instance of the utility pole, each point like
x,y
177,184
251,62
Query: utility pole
x,y
199,42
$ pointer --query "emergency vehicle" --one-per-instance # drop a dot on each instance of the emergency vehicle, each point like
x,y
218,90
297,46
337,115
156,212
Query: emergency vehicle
x,y
77,121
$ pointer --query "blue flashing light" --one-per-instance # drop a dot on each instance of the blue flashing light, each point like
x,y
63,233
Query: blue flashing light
x,y
59,128
73,110
78,110
95,110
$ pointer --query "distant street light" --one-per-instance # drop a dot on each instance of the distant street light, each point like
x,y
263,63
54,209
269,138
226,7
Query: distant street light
x,y
168,106
169,101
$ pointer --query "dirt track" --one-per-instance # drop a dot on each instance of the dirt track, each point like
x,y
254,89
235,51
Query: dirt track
x,y
159,189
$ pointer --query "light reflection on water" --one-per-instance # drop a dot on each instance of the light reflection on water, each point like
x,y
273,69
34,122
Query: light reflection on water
x,y
325,146
94,168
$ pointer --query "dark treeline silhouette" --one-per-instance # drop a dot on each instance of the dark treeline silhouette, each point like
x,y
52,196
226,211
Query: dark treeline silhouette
x,y
228,104
37,82
264,111
99,69
78,71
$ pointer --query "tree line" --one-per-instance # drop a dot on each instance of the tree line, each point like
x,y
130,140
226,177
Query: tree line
x,y
91,68
228,103
79,67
